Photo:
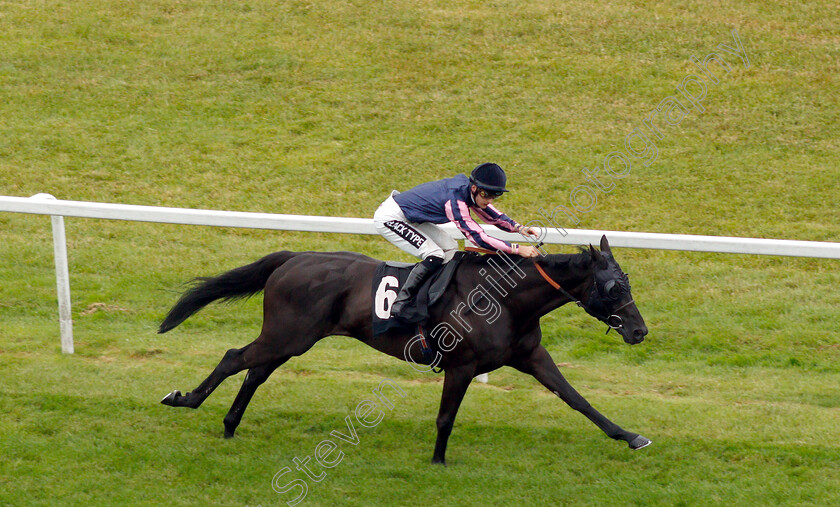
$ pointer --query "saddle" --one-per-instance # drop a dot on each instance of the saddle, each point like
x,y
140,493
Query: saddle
x,y
387,281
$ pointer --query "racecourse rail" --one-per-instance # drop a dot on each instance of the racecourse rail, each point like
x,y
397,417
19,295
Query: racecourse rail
x,y
45,204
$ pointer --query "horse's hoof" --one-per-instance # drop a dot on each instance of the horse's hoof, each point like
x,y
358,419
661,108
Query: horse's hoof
x,y
639,442
169,399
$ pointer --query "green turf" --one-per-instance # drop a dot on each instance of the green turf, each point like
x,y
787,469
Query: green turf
x,y
323,108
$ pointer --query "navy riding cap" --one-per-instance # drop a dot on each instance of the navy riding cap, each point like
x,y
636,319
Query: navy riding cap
x,y
489,176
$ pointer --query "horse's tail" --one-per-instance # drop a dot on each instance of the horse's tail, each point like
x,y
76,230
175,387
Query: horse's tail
x,y
239,283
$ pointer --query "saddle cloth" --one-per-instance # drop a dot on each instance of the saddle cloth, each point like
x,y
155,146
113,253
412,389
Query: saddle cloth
x,y
387,281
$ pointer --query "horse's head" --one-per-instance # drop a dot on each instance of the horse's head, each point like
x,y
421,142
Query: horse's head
x,y
609,298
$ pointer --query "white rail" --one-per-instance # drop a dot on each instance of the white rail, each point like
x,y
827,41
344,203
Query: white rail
x,y
44,204
648,240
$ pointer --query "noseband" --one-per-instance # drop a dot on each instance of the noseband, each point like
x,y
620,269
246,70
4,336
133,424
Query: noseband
x,y
613,320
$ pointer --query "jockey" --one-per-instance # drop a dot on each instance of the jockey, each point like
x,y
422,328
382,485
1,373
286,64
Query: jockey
x,y
408,220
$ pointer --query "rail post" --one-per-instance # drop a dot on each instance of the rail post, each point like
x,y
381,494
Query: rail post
x,y
62,279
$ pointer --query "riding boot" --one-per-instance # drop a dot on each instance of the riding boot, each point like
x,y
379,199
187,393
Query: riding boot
x,y
419,273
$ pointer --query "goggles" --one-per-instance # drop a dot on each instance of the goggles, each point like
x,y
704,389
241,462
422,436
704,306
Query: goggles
x,y
489,194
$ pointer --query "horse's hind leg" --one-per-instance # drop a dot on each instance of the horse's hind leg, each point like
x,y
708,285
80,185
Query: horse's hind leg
x,y
253,380
231,363
270,348
255,354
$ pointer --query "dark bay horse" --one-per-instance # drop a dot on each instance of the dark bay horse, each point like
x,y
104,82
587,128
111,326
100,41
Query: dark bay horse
x,y
312,295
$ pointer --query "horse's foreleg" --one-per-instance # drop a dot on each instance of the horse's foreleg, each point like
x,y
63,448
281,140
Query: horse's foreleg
x,y
455,384
231,363
542,367
253,380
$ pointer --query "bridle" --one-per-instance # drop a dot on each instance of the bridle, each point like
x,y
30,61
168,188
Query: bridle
x,y
613,320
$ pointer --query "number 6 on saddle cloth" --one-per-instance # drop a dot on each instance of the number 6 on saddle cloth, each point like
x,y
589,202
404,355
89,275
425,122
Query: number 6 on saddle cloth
x,y
387,280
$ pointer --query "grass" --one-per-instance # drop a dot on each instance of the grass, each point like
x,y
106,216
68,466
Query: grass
x,y
323,108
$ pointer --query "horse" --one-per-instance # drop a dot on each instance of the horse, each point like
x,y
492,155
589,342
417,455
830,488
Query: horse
x,y
311,295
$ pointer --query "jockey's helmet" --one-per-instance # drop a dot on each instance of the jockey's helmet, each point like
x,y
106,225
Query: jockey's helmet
x,y
490,177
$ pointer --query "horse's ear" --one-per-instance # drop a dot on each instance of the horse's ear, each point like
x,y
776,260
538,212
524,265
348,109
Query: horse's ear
x,y
596,255
605,245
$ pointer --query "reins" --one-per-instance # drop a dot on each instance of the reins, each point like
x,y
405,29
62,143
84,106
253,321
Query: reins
x,y
558,287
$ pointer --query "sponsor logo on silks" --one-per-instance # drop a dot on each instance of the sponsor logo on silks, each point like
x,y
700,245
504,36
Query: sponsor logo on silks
x,y
406,232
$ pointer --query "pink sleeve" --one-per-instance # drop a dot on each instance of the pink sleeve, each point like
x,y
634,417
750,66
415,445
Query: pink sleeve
x,y
495,217
459,213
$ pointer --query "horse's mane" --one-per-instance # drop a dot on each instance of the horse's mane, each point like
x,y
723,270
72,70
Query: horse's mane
x,y
579,260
